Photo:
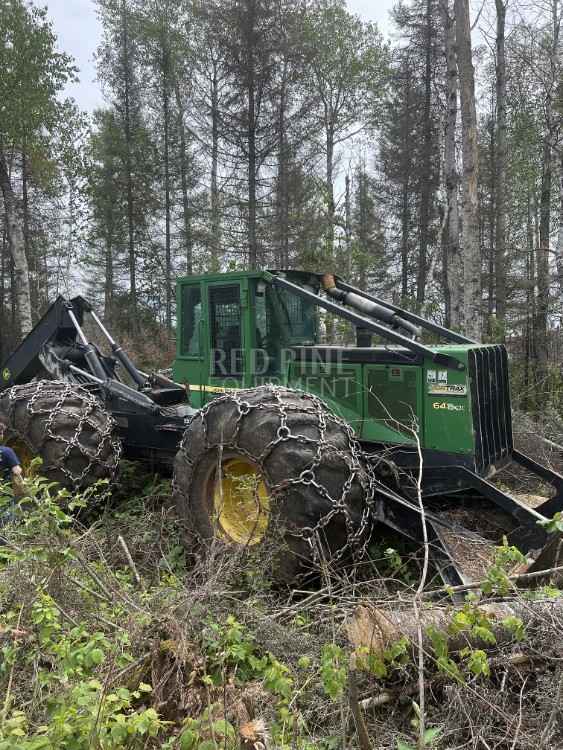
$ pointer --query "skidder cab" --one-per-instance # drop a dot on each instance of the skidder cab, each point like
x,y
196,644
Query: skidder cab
x,y
281,439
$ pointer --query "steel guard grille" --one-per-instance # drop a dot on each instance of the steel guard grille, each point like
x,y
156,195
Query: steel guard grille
x,y
490,400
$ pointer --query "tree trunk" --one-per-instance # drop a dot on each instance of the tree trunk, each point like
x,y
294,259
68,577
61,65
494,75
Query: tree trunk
x,y
3,306
530,304
16,244
543,258
32,262
329,256
348,265
109,244
453,258
184,161
215,218
426,162
251,139
491,229
108,283
377,629
405,190
471,245
331,206
167,201
362,229
500,171
132,261
559,247
282,196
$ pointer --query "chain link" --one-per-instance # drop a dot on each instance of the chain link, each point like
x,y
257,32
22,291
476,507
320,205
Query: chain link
x,y
284,402
69,416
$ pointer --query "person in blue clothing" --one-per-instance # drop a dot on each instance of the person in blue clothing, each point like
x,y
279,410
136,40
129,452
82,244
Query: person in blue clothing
x,y
10,465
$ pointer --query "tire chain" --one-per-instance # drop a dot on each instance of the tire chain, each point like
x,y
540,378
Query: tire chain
x,y
358,467
56,393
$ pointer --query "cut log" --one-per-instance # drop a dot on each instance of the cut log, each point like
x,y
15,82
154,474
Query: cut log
x,y
377,629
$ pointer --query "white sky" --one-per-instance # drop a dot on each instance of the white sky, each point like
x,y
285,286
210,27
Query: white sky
x,y
76,25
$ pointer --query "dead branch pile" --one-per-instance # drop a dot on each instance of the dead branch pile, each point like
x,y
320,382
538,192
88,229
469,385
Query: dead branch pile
x,y
126,575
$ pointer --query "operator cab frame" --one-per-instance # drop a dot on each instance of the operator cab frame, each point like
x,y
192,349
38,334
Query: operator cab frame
x,y
237,330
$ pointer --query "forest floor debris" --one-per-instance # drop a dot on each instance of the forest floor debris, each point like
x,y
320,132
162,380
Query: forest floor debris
x,y
111,636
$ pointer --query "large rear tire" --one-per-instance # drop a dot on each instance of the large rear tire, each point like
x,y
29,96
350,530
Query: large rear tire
x,y
66,426
274,467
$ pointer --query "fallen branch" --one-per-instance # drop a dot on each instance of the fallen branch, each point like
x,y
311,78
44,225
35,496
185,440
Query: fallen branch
x,y
516,578
108,596
88,590
392,696
131,562
359,722
376,629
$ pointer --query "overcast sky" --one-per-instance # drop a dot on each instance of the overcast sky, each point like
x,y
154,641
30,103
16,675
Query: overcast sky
x,y
77,28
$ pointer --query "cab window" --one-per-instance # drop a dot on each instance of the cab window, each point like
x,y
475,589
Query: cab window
x,y
191,323
226,331
298,317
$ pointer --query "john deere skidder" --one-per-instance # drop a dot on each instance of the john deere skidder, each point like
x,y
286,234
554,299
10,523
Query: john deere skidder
x,y
272,435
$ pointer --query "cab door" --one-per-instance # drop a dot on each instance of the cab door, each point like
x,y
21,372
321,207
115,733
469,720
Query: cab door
x,y
189,366
227,337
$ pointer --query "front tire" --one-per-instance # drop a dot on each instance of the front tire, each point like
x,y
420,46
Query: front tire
x,y
272,466
66,426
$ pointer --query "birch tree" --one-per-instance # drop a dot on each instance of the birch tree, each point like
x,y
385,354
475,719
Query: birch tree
x,y
500,167
451,255
471,242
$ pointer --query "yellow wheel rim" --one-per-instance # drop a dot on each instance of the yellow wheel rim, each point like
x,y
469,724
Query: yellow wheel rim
x,y
241,502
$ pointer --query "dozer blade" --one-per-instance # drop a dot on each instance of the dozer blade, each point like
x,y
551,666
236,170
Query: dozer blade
x,y
470,554
465,530
460,551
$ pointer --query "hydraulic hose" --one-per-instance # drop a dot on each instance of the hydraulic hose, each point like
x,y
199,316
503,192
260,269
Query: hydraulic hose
x,y
367,307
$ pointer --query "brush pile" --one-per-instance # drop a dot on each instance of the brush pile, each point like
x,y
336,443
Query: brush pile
x,y
112,637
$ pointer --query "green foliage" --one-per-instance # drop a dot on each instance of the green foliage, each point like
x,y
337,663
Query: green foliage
x,y
497,580
393,656
392,562
66,640
84,715
429,739
64,653
515,626
208,733
543,592
477,661
34,75
477,625
444,662
334,670
231,654
553,525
